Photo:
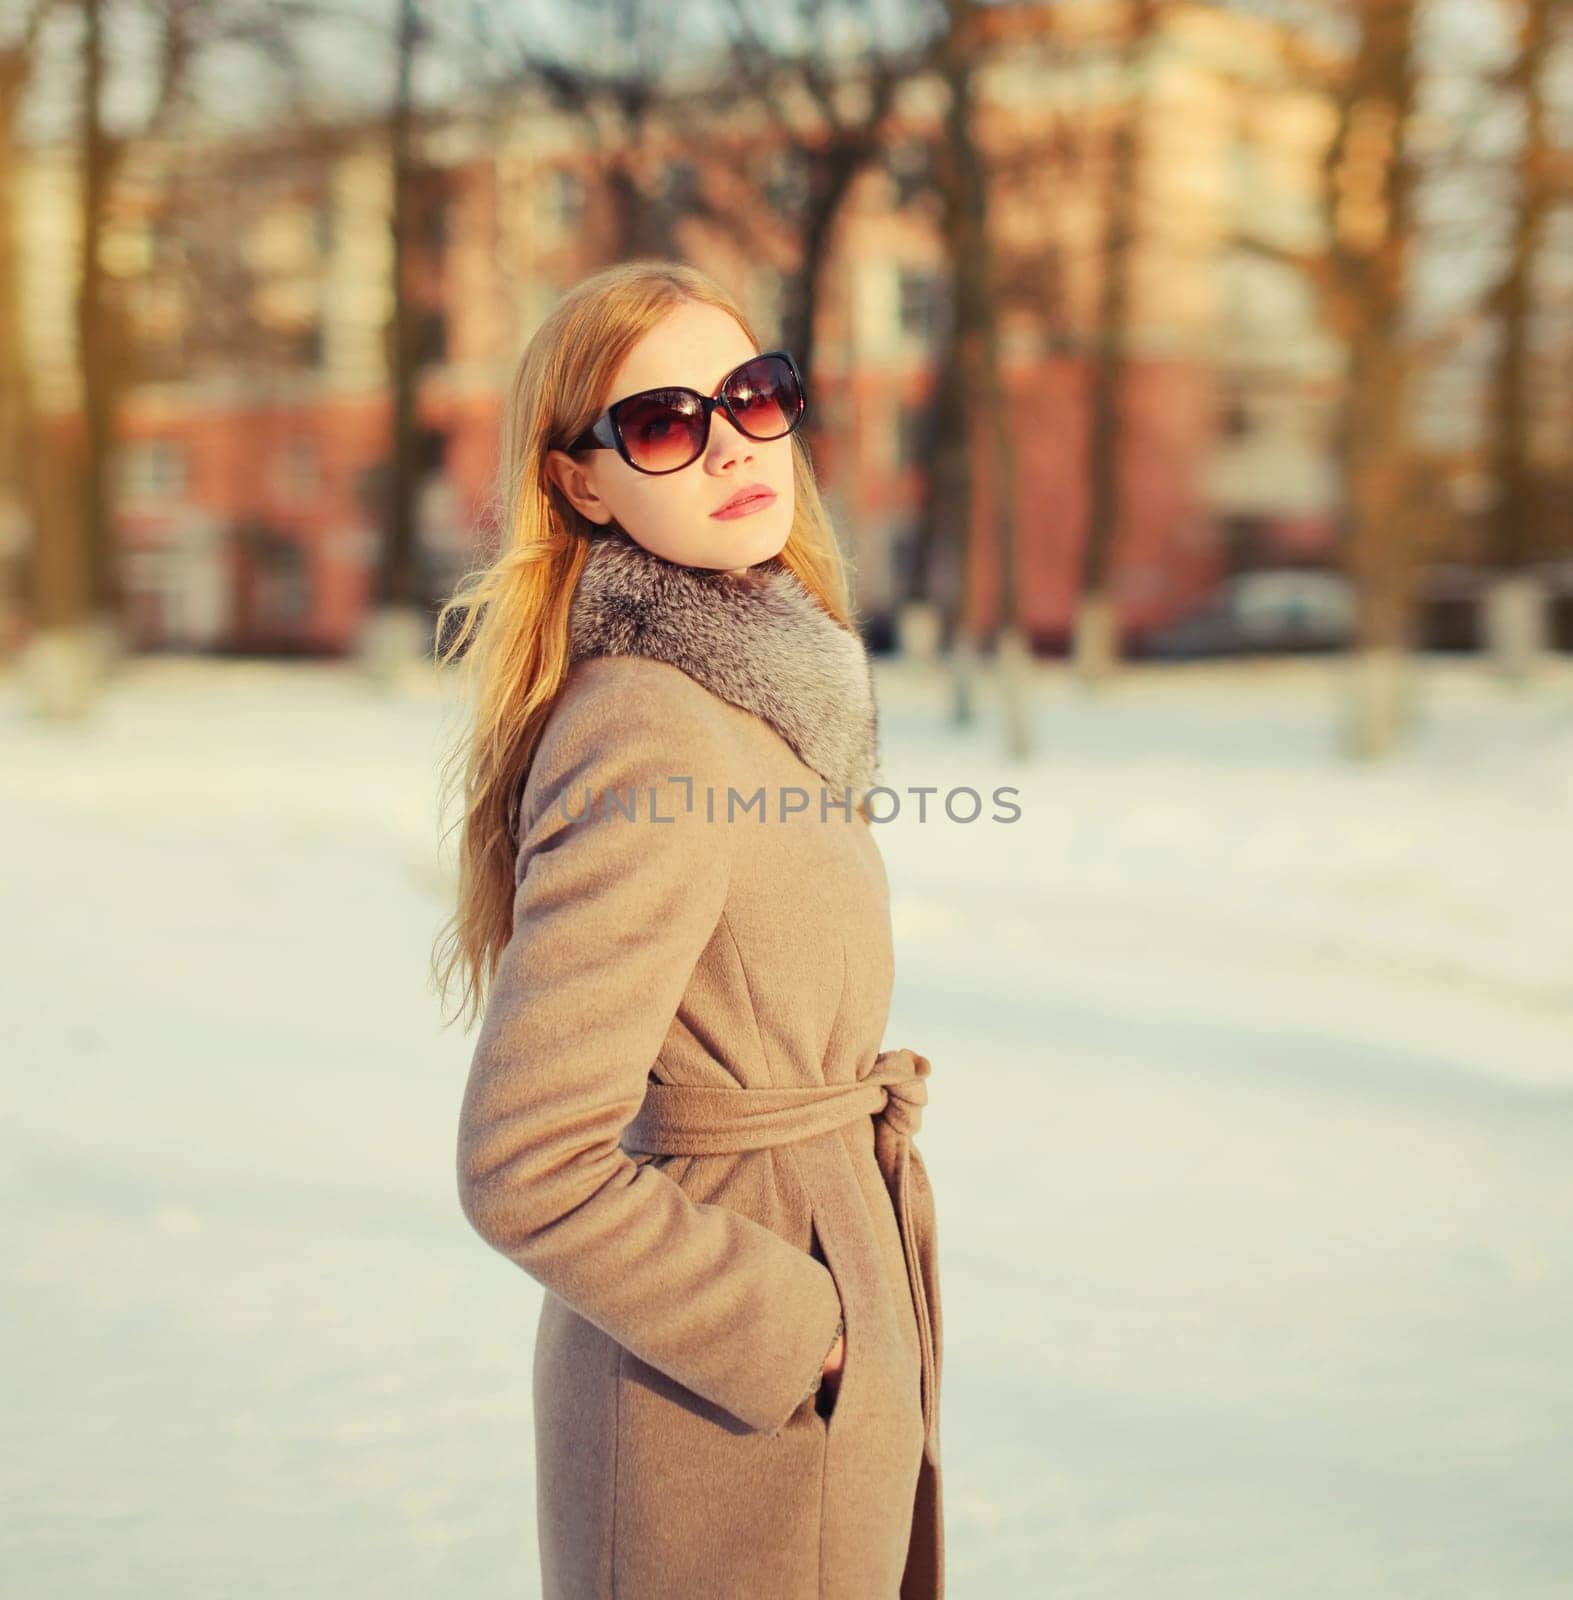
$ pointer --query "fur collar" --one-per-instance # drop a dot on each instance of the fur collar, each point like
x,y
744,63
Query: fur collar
x,y
759,640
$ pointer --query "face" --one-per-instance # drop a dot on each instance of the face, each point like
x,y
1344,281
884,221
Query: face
x,y
673,514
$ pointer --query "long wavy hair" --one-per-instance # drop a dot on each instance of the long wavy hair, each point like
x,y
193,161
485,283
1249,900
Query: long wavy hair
x,y
508,620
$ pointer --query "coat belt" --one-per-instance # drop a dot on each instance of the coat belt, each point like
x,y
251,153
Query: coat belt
x,y
691,1120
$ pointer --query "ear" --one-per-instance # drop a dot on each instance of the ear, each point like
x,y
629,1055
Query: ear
x,y
573,478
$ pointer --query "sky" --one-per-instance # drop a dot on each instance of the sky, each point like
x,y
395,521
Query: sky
x,y
346,51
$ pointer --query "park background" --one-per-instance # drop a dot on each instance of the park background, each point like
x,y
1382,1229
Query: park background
x,y
1192,389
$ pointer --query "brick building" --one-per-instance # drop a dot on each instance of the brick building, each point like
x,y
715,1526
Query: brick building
x,y
251,281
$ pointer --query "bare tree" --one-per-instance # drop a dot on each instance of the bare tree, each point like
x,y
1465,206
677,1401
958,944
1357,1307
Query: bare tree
x,y
1369,188
1024,279
1515,613
1362,281
616,77
830,108
396,633
619,83
23,458
77,598
973,402
1096,644
74,593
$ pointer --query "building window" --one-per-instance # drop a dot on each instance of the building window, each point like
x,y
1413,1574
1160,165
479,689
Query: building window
x,y
1234,416
153,469
922,306
300,468
313,346
910,169
277,594
786,184
911,436
680,189
768,297
565,198
435,204
432,336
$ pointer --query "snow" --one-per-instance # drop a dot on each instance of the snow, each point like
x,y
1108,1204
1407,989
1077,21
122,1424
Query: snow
x,y
1251,1128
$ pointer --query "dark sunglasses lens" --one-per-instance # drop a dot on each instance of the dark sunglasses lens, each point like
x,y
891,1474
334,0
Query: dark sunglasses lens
x,y
662,431
765,398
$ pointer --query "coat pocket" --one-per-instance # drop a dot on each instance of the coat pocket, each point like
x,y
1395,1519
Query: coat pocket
x,y
828,1404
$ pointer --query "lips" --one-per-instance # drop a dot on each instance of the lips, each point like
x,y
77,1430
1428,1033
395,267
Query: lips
x,y
752,498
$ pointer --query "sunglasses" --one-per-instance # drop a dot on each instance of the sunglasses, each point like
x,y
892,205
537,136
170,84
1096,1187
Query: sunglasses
x,y
665,430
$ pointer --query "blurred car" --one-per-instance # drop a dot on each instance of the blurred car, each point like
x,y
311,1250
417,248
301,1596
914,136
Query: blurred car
x,y
1450,604
1261,612
1559,581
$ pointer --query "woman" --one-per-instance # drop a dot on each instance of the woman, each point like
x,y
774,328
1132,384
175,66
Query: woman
x,y
678,1119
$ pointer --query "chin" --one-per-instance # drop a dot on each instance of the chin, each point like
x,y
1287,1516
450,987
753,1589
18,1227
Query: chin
x,y
725,546
755,545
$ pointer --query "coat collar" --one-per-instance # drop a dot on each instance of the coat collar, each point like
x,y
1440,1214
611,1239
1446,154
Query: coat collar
x,y
759,640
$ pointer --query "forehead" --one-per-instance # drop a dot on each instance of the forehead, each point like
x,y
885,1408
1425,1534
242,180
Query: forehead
x,y
694,346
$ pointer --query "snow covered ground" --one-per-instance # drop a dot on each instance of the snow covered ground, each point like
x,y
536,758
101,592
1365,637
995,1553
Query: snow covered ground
x,y
1251,1128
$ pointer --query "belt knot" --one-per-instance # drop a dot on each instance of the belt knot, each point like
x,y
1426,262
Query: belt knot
x,y
905,1091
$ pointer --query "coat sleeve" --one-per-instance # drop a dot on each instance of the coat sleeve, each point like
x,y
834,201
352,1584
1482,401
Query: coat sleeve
x,y
610,915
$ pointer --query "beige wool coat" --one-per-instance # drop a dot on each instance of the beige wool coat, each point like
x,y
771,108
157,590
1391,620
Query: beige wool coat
x,y
680,1121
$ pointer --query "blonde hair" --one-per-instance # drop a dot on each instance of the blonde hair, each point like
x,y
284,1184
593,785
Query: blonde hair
x,y
514,634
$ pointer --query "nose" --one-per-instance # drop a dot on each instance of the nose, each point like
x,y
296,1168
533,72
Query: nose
x,y
727,443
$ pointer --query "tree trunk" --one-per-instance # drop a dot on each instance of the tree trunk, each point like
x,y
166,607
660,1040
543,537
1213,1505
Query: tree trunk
x,y
938,537
397,627
830,179
64,482
1516,624
1096,635
1370,190
18,515
984,419
100,604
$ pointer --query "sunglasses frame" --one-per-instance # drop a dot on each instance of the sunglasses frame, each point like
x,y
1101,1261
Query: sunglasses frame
x,y
606,433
